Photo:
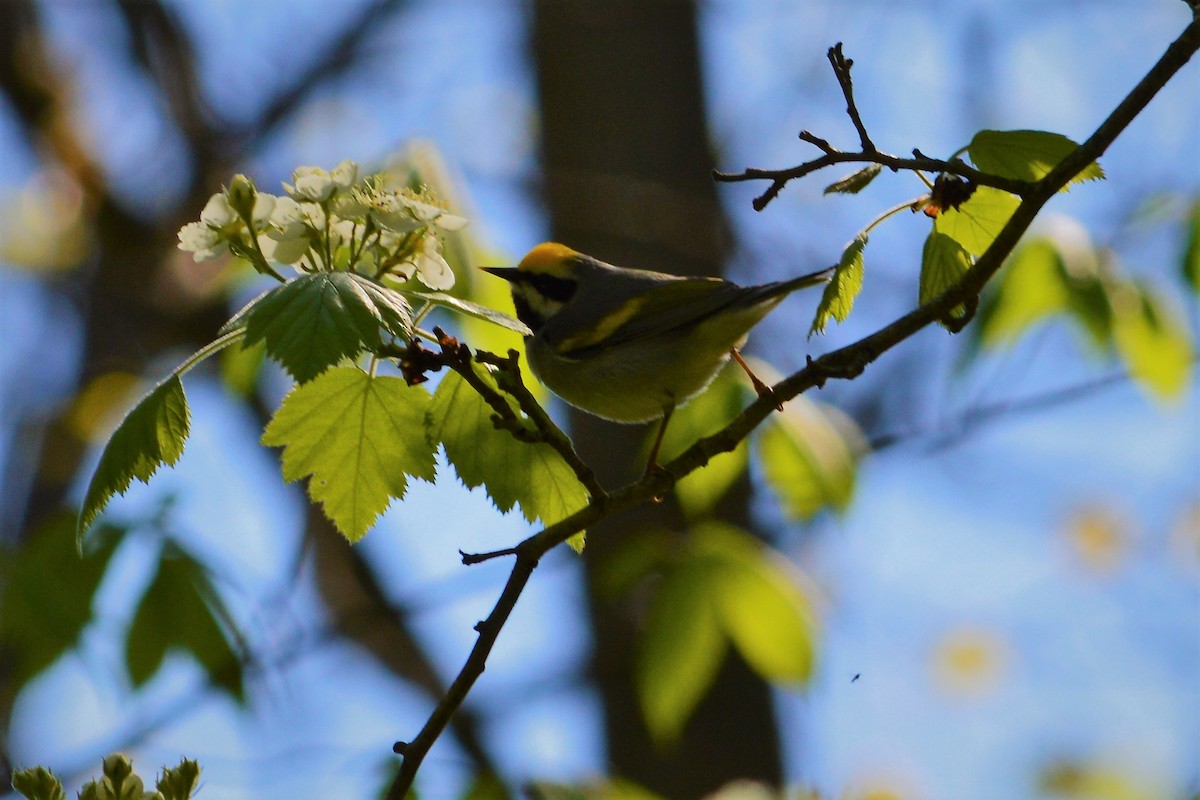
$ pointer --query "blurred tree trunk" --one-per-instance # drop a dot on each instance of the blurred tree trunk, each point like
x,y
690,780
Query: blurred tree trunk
x,y
627,165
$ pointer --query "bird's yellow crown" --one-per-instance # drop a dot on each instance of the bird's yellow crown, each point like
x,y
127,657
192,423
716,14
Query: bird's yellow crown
x,y
548,258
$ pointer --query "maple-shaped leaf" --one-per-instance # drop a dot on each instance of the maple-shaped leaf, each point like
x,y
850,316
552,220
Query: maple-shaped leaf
x,y
312,322
360,437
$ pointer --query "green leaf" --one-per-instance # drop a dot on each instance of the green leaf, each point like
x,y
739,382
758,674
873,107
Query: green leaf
x,y
681,648
712,410
238,320
46,593
512,472
1190,263
1032,287
474,310
153,433
1153,342
312,322
855,182
177,613
359,437
943,263
838,299
977,222
1026,155
809,455
759,604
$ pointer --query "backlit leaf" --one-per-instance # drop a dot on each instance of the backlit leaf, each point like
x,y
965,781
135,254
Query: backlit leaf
x,y
809,456
1032,287
838,299
152,434
474,310
681,649
1153,342
1026,155
312,322
943,264
512,472
1190,264
359,437
976,223
759,603
699,491
176,613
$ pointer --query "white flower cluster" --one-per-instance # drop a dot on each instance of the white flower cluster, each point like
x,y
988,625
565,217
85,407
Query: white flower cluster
x,y
327,220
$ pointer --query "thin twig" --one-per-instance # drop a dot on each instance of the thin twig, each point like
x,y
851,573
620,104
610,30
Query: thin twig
x,y
841,69
845,363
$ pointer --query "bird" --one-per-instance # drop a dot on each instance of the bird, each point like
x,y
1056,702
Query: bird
x,y
632,345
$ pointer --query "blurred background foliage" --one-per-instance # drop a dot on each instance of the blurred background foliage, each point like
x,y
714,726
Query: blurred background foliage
x,y
974,572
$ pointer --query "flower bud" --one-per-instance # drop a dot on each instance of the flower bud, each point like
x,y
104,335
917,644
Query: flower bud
x,y
241,196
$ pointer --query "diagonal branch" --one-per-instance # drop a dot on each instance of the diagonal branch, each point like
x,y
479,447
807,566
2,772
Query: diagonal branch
x,y
845,363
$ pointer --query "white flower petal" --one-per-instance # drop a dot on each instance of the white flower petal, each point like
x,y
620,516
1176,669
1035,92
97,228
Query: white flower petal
x,y
451,222
345,174
217,212
264,206
432,269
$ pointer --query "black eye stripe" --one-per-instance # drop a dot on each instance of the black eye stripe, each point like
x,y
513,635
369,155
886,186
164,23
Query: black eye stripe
x,y
550,286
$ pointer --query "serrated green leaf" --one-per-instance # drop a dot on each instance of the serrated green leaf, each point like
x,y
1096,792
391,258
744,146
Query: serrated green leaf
x,y
712,410
681,648
809,456
1026,155
512,472
238,320
759,604
359,437
152,434
1153,343
838,299
175,614
474,310
1032,287
976,223
312,322
943,263
1190,263
855,182
46,593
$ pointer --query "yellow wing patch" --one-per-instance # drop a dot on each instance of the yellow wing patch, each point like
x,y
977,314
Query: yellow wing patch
x,y
548,258
605,328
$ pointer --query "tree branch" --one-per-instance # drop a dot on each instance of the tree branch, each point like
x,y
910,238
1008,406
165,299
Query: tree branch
x,y
845,363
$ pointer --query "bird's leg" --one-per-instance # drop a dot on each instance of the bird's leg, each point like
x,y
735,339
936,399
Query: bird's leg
x,y
652,462
759,387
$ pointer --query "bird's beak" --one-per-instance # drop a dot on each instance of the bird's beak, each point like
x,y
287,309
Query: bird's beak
x,y
508,273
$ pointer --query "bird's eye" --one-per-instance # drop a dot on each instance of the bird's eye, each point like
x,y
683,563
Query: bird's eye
x,y
552,287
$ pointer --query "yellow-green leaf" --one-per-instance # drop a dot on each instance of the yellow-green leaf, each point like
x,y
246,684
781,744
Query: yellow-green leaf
x,y
977,222
759,604
513,472
943,263
809,456
1190,264
703,416
1026,155
838,298
681,648
1032,287
312,322
1153,342
152,434
359,437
